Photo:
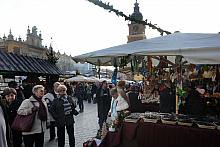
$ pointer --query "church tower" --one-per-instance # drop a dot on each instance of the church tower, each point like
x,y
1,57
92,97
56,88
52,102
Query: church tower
x,y
136,31
33,38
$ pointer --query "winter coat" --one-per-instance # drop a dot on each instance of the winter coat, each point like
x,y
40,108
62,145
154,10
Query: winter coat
x,y
57,111
79,92
12,109
26,108
103,100
5,131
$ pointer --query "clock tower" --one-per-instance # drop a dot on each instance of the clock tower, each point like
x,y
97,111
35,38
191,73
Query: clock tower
x,y
136,31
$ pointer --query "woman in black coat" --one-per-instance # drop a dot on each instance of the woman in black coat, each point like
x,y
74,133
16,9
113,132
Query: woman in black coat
x,y
62,110
11,107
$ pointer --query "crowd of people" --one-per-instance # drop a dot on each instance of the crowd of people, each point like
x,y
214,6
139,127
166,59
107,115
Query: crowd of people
x,y
55,108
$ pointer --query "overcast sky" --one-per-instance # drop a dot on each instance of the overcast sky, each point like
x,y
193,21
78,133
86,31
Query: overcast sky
x,y
78,26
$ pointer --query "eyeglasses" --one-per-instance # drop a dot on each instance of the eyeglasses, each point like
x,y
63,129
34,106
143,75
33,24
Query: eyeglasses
x,y
41,90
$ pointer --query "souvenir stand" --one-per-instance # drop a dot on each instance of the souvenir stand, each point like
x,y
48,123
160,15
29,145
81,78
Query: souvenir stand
x,y
157,129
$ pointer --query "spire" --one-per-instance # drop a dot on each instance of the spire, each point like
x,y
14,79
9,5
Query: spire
x,y
19,38
28,30
51,42
4,37
136,7
10,36
136,14
40,35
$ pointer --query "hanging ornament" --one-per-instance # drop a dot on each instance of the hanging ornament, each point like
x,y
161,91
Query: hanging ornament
x,y
114,76
205,68
144,72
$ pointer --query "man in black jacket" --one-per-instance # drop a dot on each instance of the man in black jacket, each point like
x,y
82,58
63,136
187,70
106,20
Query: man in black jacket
x,y
103,100
62,110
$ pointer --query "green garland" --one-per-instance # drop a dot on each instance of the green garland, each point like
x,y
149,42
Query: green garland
x,y
106,6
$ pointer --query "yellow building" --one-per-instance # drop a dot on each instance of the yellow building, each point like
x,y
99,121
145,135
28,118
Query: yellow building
x,y
32,46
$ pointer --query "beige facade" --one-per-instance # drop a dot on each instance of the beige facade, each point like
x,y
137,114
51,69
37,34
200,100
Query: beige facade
x,y
32,46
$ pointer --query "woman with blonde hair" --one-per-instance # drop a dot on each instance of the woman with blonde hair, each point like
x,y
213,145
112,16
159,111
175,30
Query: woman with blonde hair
x,y
62,110
121,90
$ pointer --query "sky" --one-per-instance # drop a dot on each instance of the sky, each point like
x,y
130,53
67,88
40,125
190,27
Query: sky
x,y
78,26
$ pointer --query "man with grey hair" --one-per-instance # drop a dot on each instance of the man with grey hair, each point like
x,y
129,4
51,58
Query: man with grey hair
x,y
49,97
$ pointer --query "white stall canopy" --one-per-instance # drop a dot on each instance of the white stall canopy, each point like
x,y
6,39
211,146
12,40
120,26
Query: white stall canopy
x,y
197,48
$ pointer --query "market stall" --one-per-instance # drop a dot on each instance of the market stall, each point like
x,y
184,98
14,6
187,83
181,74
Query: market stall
x,y
171,130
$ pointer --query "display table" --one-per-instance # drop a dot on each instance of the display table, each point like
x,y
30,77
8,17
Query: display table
x,y
161,135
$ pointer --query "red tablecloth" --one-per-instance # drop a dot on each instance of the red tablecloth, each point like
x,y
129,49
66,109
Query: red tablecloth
x,y
161,135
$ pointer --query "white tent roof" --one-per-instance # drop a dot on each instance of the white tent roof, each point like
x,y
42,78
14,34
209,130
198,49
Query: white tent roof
x,y
196,48
77,79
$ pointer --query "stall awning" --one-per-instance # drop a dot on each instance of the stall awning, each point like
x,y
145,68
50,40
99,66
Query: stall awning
x,y
10,62
196,48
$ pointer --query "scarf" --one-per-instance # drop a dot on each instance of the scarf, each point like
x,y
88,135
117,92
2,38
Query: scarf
x,y
66,105
42,113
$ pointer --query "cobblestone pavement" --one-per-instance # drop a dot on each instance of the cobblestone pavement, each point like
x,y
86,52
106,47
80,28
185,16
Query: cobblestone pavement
x,y
86,126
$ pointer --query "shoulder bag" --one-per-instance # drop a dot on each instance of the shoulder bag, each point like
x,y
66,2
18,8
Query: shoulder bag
x,y
24,123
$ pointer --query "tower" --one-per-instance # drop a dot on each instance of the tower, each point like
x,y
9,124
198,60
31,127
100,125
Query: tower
x,y
33,38
10,36
136,31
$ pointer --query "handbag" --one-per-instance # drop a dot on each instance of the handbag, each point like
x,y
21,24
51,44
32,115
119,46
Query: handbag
x,y
23,123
